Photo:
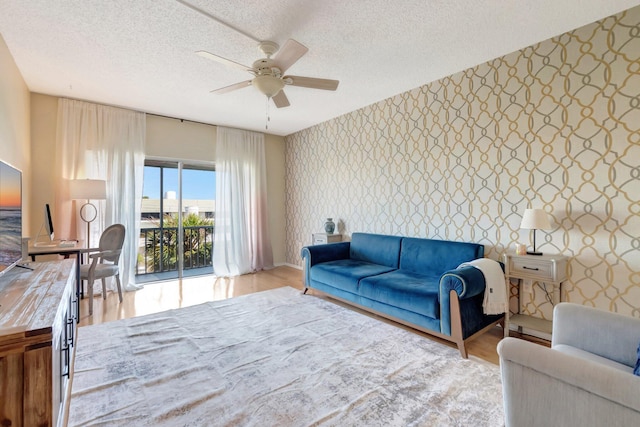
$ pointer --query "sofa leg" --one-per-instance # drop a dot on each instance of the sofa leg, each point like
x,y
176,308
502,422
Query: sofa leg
x,y
305,291
463,350
456,323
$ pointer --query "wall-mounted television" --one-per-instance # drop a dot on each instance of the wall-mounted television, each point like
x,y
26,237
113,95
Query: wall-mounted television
x,y
10,217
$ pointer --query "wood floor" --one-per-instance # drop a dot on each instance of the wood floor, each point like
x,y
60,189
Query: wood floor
x,y
160,296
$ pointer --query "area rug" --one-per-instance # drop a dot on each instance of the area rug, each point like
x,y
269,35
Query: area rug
x,y
275,358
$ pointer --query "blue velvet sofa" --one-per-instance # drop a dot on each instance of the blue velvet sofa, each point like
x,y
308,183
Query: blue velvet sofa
x,y
413,281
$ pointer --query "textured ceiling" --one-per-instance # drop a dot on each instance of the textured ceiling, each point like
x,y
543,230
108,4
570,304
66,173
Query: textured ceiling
x,y
140,54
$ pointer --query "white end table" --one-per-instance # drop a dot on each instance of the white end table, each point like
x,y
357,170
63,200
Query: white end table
x,y
551,269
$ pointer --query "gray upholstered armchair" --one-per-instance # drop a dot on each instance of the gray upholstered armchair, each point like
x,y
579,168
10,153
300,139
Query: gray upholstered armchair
x,y
584,379
110,248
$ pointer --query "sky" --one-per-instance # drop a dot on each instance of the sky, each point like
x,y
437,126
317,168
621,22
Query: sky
x,y
199,185
10,190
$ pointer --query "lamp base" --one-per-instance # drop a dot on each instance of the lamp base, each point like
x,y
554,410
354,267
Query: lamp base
x,y
534,253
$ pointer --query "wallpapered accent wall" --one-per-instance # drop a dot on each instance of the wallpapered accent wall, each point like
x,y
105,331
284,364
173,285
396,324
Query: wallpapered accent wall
x,y
555,125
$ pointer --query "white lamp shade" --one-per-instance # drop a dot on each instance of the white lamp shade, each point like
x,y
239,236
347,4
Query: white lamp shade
x,y
88,189
535,219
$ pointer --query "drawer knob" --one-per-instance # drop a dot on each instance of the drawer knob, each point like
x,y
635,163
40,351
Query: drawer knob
x,y
530,268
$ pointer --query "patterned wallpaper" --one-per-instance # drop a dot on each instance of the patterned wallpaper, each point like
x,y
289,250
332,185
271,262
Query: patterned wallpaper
x,y
555,126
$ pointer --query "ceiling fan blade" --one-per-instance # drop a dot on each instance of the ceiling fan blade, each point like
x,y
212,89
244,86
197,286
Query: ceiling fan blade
x,y
234,86
280,99
324,84
222,60
289,54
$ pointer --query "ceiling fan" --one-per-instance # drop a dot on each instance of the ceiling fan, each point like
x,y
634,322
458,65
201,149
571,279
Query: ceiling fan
x,y
268,72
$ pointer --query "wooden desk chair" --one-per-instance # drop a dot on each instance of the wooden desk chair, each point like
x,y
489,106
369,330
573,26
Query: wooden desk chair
x,y
104,262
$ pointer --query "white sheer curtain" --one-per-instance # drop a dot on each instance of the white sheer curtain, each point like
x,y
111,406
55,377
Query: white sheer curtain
x,y
101,142
242,244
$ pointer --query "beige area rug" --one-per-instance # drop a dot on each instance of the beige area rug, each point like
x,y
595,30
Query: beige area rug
x,y
275,358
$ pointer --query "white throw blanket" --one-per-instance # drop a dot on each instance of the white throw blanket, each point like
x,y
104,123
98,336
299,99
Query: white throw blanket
x,y
495,297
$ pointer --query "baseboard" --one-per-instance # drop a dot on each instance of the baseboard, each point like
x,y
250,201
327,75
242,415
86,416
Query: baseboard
x,y
286,264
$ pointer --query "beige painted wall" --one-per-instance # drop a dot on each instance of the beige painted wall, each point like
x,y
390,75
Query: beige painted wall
x,y
44,112
14,126
274,153
167,138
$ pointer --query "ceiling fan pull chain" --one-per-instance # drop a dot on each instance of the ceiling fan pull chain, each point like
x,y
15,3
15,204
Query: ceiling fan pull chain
x,y
268,119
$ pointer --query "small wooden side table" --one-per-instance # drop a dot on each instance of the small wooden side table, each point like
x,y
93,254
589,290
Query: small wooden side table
x,y
551,269
324,238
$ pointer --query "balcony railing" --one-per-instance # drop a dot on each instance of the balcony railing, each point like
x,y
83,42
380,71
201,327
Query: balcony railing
x,y
158,249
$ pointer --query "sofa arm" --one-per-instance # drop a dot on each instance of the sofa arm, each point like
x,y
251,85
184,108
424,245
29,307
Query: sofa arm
x,y
323,253
312,255
542,386
466,281
609,335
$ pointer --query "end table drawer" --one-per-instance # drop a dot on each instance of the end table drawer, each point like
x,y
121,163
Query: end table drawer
x,y
530,267
322,238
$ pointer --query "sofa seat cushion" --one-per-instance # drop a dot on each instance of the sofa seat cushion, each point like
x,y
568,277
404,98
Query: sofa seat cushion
x,y
406,290
345,273
576,352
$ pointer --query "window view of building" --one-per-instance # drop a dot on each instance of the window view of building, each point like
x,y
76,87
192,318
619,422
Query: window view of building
x,y
169,248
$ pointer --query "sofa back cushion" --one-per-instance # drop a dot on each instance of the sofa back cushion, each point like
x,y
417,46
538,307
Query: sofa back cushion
x,y
436,256
375,248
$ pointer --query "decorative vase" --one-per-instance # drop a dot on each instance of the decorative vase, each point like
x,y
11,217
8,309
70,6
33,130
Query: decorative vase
x,y
329,226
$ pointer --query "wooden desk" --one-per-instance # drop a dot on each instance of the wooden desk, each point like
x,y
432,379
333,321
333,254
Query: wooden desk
x,y
77,249
55,249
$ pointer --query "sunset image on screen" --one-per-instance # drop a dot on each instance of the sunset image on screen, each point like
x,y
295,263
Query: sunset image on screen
x,y
9,187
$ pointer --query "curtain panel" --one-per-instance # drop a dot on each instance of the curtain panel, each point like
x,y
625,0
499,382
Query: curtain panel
x,y
101,142
241,243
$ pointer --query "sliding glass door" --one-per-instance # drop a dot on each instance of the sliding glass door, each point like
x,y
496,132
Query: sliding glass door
x,y
177,221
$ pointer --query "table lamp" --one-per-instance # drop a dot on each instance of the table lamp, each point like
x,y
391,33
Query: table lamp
x,y
535,219
88,189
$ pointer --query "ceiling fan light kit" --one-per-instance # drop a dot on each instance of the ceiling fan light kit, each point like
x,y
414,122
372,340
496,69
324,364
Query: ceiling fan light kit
x,y
269,85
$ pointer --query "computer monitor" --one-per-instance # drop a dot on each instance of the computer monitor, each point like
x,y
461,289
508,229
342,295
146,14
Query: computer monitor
x,y
47,226
48,223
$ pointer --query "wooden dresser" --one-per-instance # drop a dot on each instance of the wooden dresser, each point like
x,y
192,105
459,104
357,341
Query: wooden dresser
x,y
38,321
